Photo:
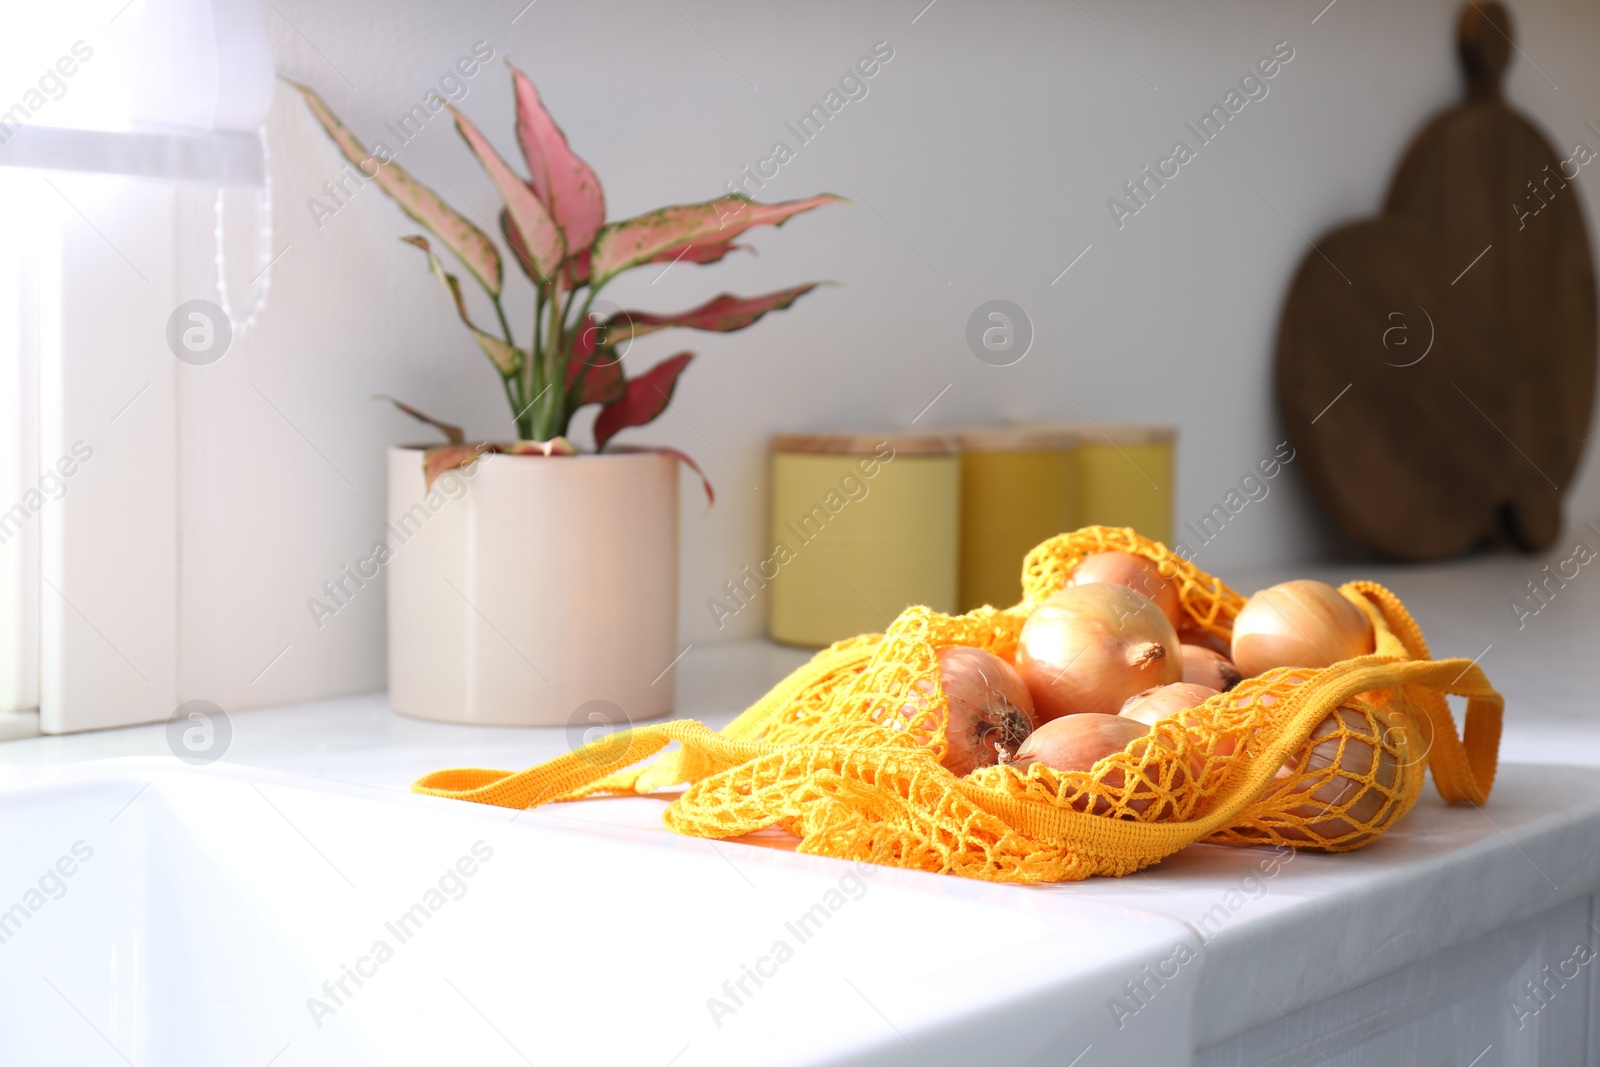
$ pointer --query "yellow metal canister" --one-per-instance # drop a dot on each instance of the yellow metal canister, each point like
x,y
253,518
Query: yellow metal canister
x,y
1127,477
862,525
1019,486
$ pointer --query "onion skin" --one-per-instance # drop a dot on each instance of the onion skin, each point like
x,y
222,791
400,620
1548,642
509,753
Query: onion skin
x,y
989,707
1090,647
1192,634
1136,573
1078,742
1363,804
1302,623
1201,666
1165,701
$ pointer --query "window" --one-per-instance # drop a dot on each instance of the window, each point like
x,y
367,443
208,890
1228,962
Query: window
x,y
117,105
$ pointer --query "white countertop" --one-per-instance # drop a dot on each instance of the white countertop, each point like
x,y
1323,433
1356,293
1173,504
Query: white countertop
x,y
1549,671
1317,926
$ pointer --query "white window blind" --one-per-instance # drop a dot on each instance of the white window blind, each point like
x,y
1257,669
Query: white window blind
x,y
157,88
103,107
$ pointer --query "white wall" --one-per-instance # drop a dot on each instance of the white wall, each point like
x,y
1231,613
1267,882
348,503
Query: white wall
x,y
987,149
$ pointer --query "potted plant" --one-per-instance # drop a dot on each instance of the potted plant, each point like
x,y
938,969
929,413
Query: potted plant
x,y
530,579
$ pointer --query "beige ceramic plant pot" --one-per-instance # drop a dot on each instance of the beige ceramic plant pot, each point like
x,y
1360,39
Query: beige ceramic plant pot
x,y
532,590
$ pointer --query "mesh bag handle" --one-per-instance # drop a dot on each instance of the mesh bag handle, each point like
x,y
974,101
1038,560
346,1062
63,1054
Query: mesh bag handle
x,y
1463,765
838,756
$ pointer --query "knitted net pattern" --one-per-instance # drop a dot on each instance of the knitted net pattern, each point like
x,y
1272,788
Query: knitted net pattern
x,y
845,753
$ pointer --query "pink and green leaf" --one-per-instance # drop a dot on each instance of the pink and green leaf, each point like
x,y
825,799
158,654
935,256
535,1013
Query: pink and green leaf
x,y
436,461
556,446
641,239
470,244
451,432
519,252
601,383
576,270
594,371
564,183
540,239
700,253
683,457
723,314
506,358
644,398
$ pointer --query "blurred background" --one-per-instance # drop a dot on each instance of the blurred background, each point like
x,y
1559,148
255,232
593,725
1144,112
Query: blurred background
x,y
979,163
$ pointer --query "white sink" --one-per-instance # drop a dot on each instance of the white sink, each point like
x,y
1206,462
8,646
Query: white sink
x,y
205,910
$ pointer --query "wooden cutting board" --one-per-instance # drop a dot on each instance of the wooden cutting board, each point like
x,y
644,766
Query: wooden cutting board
x,y
1463,321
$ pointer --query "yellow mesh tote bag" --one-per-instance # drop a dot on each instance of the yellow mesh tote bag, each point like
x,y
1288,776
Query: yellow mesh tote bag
x,y
845,752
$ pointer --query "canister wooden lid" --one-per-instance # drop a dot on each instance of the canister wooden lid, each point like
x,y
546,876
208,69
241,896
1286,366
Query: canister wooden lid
x,y
865,444
1018,438
1116,433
